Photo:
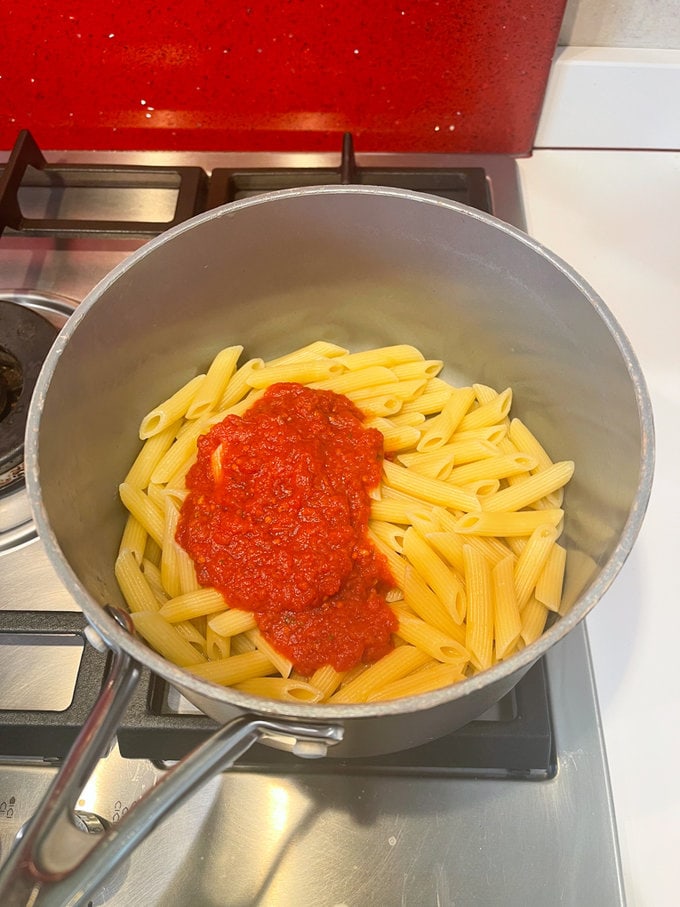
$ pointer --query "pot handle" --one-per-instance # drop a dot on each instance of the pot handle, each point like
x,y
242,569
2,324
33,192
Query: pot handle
x,y
55,863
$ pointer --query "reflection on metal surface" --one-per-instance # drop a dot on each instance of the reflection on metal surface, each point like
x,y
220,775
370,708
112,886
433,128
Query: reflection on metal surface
x,y
38,671
16,522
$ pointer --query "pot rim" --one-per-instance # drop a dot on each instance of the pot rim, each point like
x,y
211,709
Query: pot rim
x,y
117,638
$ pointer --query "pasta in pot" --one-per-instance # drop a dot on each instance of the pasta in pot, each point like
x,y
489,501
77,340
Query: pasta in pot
x,y
466,518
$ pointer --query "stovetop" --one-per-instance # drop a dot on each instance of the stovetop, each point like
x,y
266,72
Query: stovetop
x,y
450,823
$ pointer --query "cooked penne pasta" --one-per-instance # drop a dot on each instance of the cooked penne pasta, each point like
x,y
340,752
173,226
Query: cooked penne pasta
x,y
517,522
232,622
507,620
424,680
440,429
536,486
314,350
385,356
532,560
171,410
551,579
466,515
479,618
235,669
165,639
217,378
137,592
134,538
393,666
193,604
283,688
433,490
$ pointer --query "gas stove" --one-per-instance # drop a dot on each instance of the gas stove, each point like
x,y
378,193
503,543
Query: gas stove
x,y
513,809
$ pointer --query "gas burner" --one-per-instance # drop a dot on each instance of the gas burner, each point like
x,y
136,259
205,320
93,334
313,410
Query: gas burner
x,y
29,323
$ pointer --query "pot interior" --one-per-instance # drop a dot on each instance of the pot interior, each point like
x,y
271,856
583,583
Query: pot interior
x,y
362,268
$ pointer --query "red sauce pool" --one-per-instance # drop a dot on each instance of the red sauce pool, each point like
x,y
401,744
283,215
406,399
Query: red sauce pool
x,y
276,520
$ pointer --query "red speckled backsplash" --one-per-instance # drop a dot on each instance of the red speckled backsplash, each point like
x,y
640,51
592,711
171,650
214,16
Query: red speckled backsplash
x,y
417,75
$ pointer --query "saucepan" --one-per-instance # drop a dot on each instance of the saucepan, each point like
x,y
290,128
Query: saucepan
x,y
363,267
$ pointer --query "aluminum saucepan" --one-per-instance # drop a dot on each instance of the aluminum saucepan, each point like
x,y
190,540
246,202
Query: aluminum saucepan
x,y
364,267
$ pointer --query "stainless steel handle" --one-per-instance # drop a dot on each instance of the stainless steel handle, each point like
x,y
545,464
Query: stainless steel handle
x,y
55,863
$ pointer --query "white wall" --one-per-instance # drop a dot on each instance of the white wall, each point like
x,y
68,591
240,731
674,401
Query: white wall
x,y
622,23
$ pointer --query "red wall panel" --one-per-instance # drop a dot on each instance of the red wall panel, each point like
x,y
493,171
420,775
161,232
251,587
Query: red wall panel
x,y
465,76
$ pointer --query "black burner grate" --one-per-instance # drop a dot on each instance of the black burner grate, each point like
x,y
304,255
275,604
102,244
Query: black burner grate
x,y
514,741
28,171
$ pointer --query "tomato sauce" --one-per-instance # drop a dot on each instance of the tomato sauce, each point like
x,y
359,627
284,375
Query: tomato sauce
x,y
276,520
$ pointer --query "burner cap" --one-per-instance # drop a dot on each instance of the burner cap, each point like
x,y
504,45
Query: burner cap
x,y
25,339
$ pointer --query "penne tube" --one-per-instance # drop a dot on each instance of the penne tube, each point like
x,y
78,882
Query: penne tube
x,y
493,434
380,407
315,350
183,450
144,510
169,558
217,378
193,604
134,538
152,552
171,410
441,428
492,468
301,372
429,402
484,393
517,522
235,669
536,486
165,639
525,441
422,600
412,419
217,646
327,680
238,386
493,549
281,688
424,680
153,450
426,368
240,644
433,490
282,664
189,632
429,639
354,380
507,620
436,573
137,592
152,575
488,413
391,534
534,616
479,618
395,437
551,579
393,666
403,390
395,562
386,356
232,622
531,561
437,464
